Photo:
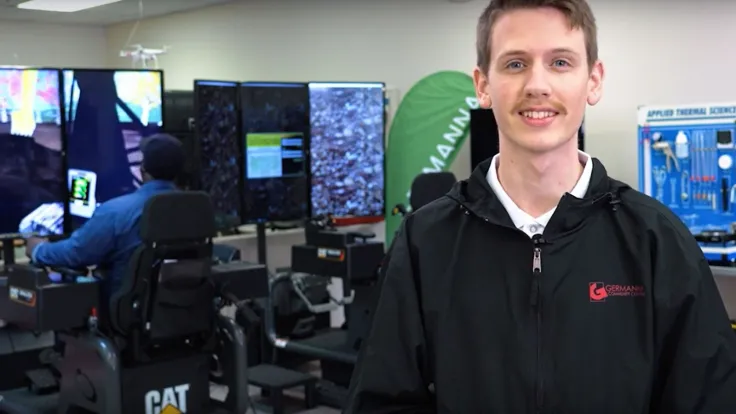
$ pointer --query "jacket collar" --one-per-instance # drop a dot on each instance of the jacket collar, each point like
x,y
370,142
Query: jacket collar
x,y
476,196
157,185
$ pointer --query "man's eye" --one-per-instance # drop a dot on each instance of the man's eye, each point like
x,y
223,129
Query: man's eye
x,y
561,63
514,65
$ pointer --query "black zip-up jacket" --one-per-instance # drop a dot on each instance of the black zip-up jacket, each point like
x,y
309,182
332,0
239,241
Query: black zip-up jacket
x,y
612,310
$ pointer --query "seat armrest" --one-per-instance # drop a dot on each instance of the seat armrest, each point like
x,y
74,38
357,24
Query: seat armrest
x,y
362,235
67,273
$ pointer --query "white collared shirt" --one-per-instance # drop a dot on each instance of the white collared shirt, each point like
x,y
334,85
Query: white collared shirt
x,y
521,219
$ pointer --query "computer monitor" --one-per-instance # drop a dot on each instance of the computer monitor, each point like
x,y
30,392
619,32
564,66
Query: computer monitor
x,y
179,115
107,112
216,129
32,185
347,149
276,132
179,120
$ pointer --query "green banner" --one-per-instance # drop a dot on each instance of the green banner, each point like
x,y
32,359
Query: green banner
x,y
429,126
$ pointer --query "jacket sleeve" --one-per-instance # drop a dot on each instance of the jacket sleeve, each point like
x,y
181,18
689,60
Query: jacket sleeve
x,y
697,368
391,374
87,246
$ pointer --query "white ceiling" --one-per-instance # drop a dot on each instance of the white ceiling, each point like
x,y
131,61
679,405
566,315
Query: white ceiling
x,y
125,10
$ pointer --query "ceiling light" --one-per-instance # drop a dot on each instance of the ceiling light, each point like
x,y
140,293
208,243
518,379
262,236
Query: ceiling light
x,y
64,6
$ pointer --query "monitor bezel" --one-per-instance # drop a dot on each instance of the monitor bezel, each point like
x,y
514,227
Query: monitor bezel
x,y
384,138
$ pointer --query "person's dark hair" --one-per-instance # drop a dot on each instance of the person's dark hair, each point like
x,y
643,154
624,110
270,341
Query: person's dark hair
x,y
578,13
163,157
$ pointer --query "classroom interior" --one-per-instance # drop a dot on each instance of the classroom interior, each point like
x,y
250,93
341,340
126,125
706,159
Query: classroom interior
x,y
654,53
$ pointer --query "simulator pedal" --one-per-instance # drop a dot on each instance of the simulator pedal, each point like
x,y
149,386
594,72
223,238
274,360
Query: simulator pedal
x,y
42,381
331,395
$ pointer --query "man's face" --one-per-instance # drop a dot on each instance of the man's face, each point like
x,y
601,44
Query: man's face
x,y
538,82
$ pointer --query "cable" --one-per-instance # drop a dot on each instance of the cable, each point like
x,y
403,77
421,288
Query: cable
x,y
137,23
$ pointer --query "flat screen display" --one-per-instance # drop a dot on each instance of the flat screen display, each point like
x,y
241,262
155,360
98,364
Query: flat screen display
x,y
276,129
217,131
347,149
32,185
108,112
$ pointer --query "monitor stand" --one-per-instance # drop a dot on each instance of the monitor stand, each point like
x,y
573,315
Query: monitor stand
x,y
261,243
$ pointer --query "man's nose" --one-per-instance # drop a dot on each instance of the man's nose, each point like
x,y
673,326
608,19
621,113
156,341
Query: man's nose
x,y
537,83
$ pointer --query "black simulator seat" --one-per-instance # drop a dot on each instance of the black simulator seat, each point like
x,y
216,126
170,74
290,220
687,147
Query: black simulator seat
x,y
426,188
151,349
327,253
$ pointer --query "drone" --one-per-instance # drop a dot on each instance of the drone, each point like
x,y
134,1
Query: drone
x,y
144,56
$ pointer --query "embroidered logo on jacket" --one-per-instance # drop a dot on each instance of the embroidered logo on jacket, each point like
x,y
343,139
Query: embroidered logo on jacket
x,y
600,291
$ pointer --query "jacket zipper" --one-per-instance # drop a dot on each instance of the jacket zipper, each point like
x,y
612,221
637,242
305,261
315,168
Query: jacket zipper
x,y
535,299
536,302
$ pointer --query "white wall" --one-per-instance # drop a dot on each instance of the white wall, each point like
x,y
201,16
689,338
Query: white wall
x,y
37,44
656,51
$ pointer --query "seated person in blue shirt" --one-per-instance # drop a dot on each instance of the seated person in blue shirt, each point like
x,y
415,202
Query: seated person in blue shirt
x,y
110,236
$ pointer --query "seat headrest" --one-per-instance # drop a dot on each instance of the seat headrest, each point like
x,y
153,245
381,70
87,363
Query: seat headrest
x,y
178,216
429,187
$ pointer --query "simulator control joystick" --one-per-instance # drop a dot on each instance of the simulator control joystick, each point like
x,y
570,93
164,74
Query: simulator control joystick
x,y
399,209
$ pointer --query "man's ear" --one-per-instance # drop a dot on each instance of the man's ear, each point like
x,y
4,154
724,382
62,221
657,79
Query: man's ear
x,y
595,83
480,81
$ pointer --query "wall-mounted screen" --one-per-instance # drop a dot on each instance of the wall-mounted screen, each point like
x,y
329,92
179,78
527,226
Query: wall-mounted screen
x,y
32,185
216,127
347,149
108,112
275,128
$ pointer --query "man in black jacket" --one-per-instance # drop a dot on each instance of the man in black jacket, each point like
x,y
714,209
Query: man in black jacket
x,y
541,285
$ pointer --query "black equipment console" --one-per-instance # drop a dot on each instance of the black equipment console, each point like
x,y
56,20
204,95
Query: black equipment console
x,y
334,239
332,253
32,300
241,279
354,262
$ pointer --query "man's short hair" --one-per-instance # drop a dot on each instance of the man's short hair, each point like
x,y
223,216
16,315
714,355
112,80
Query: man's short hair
x,y
578,14
163,157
